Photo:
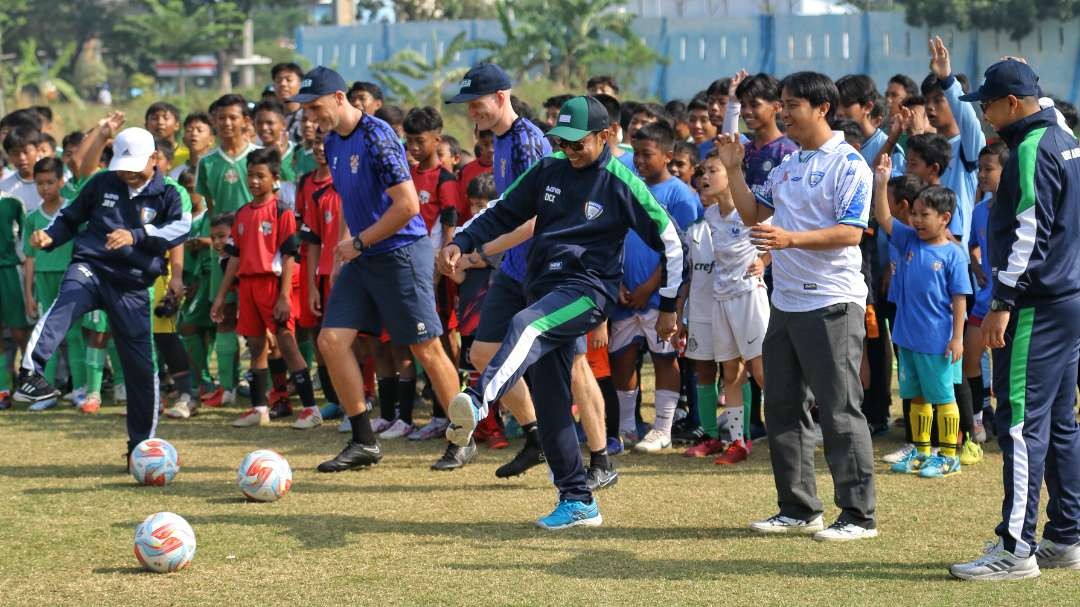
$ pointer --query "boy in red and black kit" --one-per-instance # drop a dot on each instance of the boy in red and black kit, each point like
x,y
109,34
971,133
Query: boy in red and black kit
x,y
440,201
485,157
264,246
319,207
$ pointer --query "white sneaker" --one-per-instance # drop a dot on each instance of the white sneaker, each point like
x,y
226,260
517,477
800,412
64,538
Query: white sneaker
x,y
436,428
1051,555
182,408
783,524
844,532
899,454
253,417
309,417
996,565
379,425
228,397
653,442
396,430
345,426
119,394
980,433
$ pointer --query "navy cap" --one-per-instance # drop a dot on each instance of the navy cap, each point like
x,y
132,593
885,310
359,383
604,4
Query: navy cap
x,y
319,82
482,79
1004,78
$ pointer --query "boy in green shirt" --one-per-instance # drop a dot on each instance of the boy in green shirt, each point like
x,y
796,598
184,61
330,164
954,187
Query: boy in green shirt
x,y
222,176
12,310
43,272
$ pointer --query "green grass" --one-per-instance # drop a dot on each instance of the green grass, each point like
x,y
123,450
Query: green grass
x,y
397,534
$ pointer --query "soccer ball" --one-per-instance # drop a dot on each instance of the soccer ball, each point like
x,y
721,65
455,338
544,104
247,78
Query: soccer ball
x,y
164,543
154,462
264,476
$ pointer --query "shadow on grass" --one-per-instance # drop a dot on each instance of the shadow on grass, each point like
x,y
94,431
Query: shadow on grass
x,y
124,570
92,470
214,492
624,565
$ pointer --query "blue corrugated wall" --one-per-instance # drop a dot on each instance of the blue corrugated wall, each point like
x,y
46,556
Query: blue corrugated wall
x,y
879,44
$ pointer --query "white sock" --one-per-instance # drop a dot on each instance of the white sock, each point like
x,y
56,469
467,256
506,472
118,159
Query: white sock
x,y
978,417
666,402
627,405
734,422
722,425
262,408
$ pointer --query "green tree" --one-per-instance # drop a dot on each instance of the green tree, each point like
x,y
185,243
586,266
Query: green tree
x,y
399,73
32,77
185,30
1017,17
568,39
429,10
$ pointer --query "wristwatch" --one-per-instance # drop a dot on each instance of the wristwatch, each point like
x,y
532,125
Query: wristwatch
x,y
996,305
358,244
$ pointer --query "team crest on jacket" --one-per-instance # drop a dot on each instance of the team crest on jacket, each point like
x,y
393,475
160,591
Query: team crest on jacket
x,y
231,176
354,163
816,177
593,210
266,228
147,215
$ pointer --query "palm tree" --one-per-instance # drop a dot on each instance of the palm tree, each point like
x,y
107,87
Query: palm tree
x,y
30,75
398,73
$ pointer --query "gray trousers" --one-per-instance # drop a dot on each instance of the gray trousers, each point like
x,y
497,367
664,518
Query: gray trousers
x,y
820,350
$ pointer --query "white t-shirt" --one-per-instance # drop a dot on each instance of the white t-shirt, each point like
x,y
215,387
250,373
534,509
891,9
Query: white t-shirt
x,y
813,190
699,301
733,253
26,191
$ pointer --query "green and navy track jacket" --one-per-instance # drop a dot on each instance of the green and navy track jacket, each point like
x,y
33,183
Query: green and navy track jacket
x,y
1034,228
582,217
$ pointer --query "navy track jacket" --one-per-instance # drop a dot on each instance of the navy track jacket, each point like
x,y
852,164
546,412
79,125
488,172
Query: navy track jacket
x,y
582,216
155,218
1034,231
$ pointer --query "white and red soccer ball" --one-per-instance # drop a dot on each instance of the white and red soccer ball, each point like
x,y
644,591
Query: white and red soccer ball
x,y
164,543
264,476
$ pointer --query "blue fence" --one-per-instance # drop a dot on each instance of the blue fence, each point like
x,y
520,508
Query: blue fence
x,y
879,44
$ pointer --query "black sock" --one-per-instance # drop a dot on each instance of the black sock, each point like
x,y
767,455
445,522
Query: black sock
x,y
387,389
361,428
599,459
907,422
302,380
978,393
967,411
327,385
532,434
182,381
279,372
259,379
755,403
406,398
611,406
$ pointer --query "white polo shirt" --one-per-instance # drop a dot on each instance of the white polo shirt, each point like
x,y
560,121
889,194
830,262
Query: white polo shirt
x,y
812,190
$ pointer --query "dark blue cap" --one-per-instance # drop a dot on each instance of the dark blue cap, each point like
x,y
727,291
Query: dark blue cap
x,y
1004,78
319,82
480,80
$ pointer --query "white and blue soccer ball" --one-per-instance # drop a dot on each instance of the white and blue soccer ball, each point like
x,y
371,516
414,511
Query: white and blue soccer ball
x,y
264,476
164,543
154,462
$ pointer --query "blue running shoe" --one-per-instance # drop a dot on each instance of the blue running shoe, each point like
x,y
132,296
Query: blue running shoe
x,y
910,463
42,405
614,446
572,514
465,414
331,411
939,466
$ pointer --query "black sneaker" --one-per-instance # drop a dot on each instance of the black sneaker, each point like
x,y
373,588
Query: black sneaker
x,y
281,410
354,455
601,478
528,457
455,457
687,434
33,387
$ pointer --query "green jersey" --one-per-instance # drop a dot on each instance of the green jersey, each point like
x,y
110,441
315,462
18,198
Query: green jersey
x,y
56,260
223,180
288,167
197,262
185,198
304,161
12,218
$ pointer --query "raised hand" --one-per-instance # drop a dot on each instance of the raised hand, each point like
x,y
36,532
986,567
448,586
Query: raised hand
x,y
883,168
939,58
730,150
736,80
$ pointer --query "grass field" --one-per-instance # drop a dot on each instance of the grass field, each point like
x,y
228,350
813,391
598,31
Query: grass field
x,y
399,534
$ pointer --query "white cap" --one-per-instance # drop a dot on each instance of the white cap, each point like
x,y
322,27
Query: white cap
x,y
132,149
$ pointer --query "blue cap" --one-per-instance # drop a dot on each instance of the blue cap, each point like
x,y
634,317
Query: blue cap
x,y
1004,78
480,80
319,82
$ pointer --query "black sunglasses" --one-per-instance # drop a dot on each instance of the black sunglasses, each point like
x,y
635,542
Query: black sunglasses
x,y
576,146
985,104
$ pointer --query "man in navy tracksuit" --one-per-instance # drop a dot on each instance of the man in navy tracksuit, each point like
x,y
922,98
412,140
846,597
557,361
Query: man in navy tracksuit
x,y
132,218
1033,327
584,201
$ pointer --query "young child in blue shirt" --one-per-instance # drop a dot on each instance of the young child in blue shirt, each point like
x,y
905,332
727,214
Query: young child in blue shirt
x,y
931,301
633,320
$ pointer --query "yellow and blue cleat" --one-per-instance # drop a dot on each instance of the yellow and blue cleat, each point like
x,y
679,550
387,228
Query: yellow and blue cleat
x,y
939,466
910,463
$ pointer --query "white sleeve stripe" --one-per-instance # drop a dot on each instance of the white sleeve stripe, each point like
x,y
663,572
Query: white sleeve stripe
x,y
674,260
1021,250
462,227
171,231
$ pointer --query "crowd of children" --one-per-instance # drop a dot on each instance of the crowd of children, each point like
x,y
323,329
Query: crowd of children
x,y
265,220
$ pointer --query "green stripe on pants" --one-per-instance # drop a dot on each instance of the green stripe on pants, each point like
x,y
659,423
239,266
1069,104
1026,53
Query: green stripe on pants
x,y
1018,364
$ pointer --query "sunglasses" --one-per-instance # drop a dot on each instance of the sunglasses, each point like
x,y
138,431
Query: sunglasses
x,y
575,146
986,104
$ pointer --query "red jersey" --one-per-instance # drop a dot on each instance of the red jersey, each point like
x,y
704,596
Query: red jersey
x,y
468,173
261,235
439,195
323,218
